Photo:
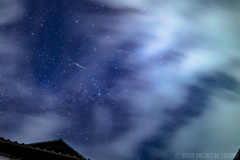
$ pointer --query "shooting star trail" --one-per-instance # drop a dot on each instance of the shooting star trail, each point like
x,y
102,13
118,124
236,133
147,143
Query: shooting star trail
x,y
90,72
80,66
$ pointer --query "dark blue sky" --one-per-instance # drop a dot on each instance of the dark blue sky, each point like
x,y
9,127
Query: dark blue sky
x,y
139,90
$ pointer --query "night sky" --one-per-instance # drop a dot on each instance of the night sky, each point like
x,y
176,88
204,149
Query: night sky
x,y
122,80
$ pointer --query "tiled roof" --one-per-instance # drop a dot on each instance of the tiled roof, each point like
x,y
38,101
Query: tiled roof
x,y
61,141
8,155
44,150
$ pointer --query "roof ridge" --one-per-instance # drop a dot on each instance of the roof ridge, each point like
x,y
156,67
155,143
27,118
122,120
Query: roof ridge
x,y
42,142
59,140
30,145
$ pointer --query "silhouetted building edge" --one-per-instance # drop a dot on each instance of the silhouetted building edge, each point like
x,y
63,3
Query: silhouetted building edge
x,y
57,149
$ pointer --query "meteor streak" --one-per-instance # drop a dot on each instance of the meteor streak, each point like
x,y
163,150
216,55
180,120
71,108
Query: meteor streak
x,y
80,66
83,68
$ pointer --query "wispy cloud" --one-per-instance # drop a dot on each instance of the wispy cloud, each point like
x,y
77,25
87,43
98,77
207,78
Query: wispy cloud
x,y
178,44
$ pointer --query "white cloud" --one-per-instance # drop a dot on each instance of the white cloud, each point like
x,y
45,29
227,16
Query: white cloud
x,y
10,11
31,128
205,37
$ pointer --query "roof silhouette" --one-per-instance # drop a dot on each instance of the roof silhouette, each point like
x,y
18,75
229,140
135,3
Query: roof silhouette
x,y
57,146
49,148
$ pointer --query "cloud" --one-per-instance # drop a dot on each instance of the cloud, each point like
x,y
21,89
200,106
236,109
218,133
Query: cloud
x,y
41,128
10,11
30,129
173,52
215,132
178,45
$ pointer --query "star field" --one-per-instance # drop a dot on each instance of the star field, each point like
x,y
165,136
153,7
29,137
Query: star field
x,y
119,79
